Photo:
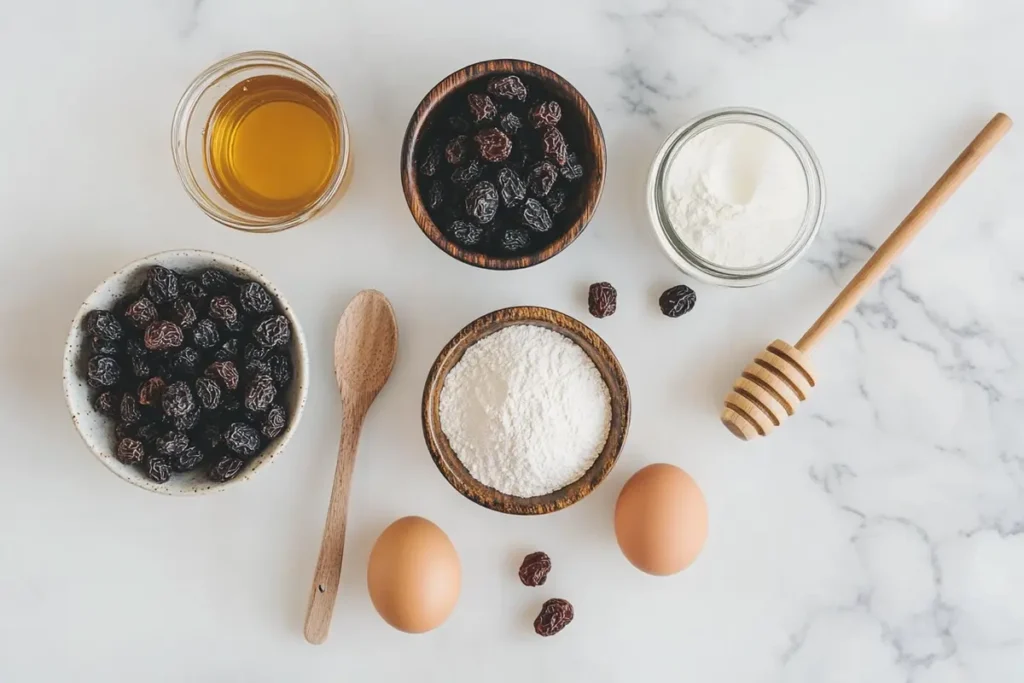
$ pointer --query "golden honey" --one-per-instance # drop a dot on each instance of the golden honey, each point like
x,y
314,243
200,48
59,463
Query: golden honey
x,y
273,146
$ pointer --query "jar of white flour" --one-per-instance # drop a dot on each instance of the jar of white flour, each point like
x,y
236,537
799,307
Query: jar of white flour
x,y
735,197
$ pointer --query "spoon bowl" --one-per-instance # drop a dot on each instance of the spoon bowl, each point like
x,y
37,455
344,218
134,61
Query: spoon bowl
x,y
365,344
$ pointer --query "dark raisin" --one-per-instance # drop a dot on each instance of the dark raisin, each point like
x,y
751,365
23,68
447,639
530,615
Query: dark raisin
x,y
208,392
148,433
162,285
601,299
677,301
192,290
130,451
188,421
573,169
102,347
226,467
124,431
186,361
254,298
129,410
184,314
242,439
466,233
257,367
494,145
542,178
515,239
535,216
464,176
482,107
151,391
455,151
431,161
178,400
510,123
107,403
140,313
281,370
535,568
510,87
223,309
482,202
458,124
260,393
226,372
556,201
215,281
205,334
555,614
228,351
187,459
274,424
141,367
255,352
162,335
135,349
210,437
545,114
171,443
273,331
435,195
104,324
158,469
511,186
103,371
554,145
231,403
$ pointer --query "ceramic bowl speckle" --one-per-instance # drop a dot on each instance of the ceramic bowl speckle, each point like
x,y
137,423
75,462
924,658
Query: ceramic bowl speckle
x,y
97,430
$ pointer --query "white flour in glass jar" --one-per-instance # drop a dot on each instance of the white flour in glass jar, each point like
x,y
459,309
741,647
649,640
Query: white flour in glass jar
x,y
525,410
736,194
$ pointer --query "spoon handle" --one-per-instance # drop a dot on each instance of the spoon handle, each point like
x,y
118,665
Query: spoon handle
x,y
332,547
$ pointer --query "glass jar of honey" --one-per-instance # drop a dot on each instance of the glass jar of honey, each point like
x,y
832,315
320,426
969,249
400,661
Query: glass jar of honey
x,y
260,142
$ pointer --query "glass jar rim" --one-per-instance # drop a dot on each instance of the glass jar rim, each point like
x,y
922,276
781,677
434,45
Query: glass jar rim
x,y
685,258
182,119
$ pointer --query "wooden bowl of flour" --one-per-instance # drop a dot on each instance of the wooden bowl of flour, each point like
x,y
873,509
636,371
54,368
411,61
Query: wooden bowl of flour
x,y
607,366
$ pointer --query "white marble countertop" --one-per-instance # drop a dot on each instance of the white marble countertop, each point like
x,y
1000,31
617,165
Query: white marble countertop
x,y
878,537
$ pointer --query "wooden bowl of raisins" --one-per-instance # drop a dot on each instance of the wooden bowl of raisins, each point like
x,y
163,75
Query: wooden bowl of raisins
x,y
503,164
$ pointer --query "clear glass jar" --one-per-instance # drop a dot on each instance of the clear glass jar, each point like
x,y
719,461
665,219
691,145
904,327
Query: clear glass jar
x,y
689,261
191,151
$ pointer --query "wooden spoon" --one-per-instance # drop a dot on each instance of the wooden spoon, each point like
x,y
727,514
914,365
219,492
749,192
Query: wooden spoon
x,y
364,354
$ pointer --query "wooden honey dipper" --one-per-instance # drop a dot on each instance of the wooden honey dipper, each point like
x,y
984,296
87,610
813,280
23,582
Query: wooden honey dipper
x,y
771,387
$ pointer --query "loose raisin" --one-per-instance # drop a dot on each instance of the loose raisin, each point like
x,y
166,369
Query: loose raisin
x,y
178,400
535,216
554,145
226,372
556,201
510,123
171,443
466,233
257,367
435,195
104,324
103,371
162,335
141,367
210,437
102,347
281,370
215,281
208,392
193,291
482,202
223,309
510,87
151,391
186,460
148,433
242,439
573,169
107,403
260,393
130,451
158,469
455,151
162,285
515,239
464,176
535,568
205,334
512,187
228,351
140,313
254,298
227,467
273,331
677,301
274,424
431,161
254,351
555,614
188,421
601,299
542,178
545,114
129,411
494,145
186,361
184,314
482,107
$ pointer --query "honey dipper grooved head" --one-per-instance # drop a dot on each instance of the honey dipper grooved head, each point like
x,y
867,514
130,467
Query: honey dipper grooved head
x,y
768,391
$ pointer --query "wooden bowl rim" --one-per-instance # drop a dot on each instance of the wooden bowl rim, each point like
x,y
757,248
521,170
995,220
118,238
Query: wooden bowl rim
x,y
447,461
435,97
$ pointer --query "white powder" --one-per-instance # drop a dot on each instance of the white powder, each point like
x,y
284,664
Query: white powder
x,y
736,194
526,410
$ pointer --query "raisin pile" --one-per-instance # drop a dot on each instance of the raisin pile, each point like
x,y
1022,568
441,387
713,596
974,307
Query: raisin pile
x,y
499,166
193,370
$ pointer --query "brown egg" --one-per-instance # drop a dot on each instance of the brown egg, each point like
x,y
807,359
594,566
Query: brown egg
x,y
661,520
413,575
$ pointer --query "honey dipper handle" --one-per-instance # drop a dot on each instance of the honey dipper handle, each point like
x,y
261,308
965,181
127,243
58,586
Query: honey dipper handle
x,y
908,229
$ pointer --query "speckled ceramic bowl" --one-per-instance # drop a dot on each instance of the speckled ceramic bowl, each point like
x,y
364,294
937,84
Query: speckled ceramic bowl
x,y
97,429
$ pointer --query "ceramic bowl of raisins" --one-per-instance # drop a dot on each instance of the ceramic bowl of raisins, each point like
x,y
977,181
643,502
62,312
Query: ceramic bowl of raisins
x,y
185,372
503,164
